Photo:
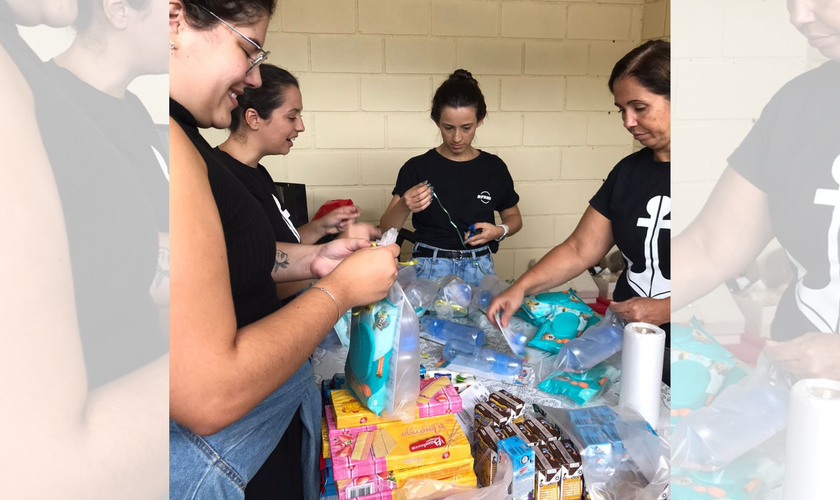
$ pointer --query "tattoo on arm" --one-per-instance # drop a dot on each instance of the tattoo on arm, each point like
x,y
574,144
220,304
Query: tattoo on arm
x,y
281,260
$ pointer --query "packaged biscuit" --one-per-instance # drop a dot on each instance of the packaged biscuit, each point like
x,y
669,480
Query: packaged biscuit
x,y
437,397
388,481
487,452
548,473
361,451
544,431
508,400
522,458
520,429
325,439
425,489
571,472
488,413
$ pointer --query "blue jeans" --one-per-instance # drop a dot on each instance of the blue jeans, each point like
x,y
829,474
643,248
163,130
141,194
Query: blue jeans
x,y
220,466
469,268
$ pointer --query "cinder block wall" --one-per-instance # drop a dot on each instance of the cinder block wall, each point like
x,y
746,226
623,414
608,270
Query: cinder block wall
x,y
730,57
368,70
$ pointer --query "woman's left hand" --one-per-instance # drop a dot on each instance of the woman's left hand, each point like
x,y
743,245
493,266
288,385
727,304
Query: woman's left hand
x,y
645,310
813,355
489,232
339,219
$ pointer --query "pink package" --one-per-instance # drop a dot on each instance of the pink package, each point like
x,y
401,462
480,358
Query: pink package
x,y
339,451
437,397
372,487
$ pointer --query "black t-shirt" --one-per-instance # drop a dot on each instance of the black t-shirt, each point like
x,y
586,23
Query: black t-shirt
x,y
129,127
471,191
109,222
249,239
636,198
260,184
793,155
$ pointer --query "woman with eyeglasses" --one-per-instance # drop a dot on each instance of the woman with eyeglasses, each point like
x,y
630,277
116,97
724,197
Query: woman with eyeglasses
x,y
240,369
83,367
108,53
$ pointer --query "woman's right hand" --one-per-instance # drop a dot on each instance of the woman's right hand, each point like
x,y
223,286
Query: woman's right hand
x,y
365,276
508,302
418,198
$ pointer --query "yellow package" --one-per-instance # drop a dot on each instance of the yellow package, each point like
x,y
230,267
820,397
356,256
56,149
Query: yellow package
x,y
325,439
397,446
459,484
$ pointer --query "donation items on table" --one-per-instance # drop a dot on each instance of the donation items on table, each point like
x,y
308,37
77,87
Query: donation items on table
x,y
390,433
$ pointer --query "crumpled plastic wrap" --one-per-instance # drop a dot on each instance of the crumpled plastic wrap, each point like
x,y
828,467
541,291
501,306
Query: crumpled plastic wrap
x,y
623,458
426,489
740,418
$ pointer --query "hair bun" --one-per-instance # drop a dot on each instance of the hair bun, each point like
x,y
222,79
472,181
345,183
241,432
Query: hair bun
x,y
462,74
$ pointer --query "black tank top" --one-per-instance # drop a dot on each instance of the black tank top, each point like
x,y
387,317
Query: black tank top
x,y
109,222
249,237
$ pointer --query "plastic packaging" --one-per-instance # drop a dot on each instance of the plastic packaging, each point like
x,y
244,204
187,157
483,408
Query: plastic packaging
x,y
426,489
342,328
489,287
404,374
377,373
444,330
453,298
582,387
560,317
516,340
623,459
739,419
421,294
406,275
481,358
594,346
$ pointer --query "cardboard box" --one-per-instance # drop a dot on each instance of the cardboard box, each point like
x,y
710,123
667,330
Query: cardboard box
x,y
391,446
487,452
542,430
571,470
605,288
522,458
489,413
757,318
392,480
547,474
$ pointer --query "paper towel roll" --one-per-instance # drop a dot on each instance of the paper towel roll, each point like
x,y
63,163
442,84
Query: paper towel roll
x,y
641,369
813,440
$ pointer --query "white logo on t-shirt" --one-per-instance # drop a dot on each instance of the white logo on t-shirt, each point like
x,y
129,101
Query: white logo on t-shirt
x,y
821,306
484,197
286,217
650,282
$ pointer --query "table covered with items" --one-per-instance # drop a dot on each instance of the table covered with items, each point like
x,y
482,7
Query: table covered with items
x,y
424,397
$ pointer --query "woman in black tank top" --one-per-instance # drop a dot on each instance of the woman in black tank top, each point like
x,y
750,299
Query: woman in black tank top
x,y
240,367
86,367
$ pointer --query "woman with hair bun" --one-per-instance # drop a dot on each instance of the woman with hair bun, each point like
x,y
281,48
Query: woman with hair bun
x,y
454,190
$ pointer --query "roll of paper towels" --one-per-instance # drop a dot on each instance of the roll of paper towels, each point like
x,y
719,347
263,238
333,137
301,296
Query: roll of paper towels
x,y
643,348
813,440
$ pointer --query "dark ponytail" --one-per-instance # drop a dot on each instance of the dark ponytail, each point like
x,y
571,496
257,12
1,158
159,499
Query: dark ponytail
x,y
232,11
460,90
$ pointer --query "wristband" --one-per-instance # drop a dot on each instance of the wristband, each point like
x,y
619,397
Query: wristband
x,y
504,235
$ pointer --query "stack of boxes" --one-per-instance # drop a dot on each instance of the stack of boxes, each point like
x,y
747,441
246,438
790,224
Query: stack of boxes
x,y
371,457
546,468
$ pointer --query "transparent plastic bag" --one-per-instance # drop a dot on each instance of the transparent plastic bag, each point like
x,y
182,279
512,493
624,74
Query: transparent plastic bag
x,y
403,386
342,328
594,346
421,294
406,275
582,387
426,489
740,418
383,360
453,298
623,458
489,287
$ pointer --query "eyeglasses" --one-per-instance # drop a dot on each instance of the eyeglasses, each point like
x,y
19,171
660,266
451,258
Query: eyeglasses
x,y
262,55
